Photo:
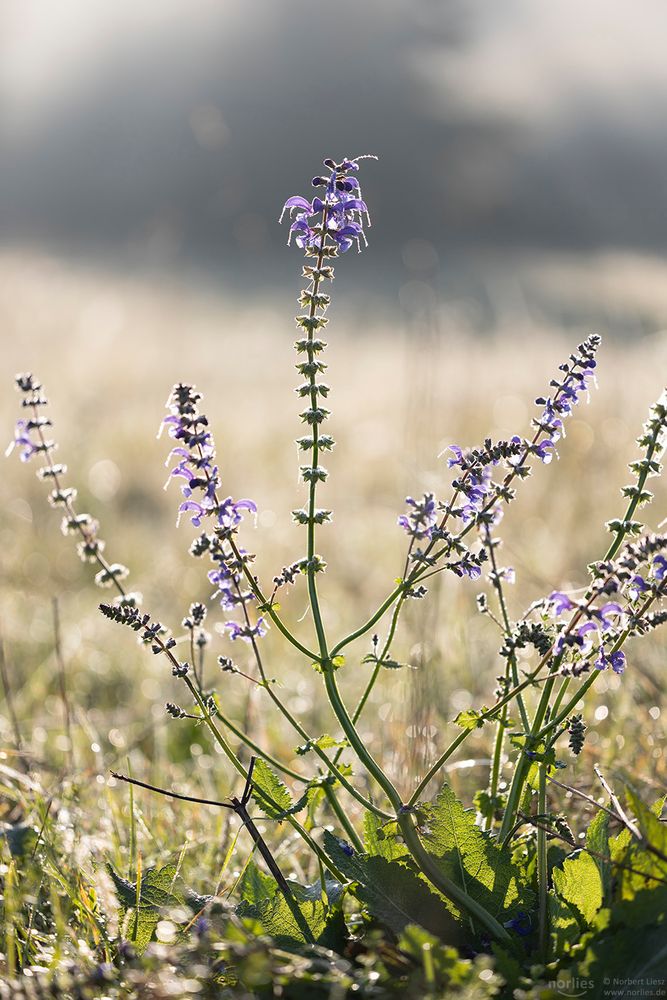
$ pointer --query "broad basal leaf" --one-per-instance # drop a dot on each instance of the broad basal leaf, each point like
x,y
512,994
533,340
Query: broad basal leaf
x,y
393,893
597,841
256,887
579,884
382,839
472,859
280,922
160,889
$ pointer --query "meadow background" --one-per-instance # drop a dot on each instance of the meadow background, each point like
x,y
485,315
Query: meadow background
x,y
516,208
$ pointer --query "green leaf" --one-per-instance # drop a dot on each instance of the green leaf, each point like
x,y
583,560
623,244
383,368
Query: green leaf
x,y
160,889
564,926
636,957
272,795
648,820
580,885
597,840
276,918
471,859
333,891
393,893
631,853
381,839
471,718
255,887
324,742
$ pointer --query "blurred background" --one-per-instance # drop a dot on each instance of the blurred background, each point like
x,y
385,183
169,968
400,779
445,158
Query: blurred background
x,y
518,204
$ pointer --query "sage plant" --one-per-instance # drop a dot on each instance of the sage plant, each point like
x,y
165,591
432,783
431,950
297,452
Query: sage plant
x,y
435,853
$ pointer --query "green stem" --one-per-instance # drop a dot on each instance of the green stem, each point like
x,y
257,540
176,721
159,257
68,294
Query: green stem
x,y
238,766
523,763
343,818
542,863
495,766
425,861
296,725
361,704
315,434
355,740
502,603
436,876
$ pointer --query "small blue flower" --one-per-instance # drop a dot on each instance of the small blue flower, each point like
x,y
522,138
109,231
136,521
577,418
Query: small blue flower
x,y
521,924
247,632
22,440
614,660
659,567
559,602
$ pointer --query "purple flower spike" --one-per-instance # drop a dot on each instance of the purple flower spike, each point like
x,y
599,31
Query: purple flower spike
x,y
338,215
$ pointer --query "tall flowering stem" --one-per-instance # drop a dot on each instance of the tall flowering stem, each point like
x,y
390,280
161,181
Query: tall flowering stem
x,y
609,577
235,586
336,227
323,228
30,440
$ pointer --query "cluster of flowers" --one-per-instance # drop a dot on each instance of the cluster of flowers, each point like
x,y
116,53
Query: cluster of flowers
x,y
30,439
152,633
477,498
339,214
601,626
638,577
195,464
421,523
475,482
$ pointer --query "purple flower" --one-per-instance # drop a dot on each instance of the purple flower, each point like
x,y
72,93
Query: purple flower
x,y
338,216
659,567
458,456
422,519
247,632
229,512
199,512
521,924
560,602
611,608
637,586
545,450
22,440
614,660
